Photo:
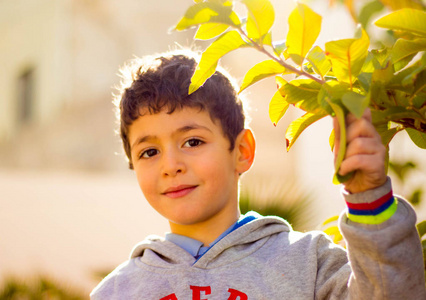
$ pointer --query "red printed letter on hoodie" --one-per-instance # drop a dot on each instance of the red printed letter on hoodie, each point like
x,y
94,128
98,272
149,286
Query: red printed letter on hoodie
x,y
170,297
237,295
196,292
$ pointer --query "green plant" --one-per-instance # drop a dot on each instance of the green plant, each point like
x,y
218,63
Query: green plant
x,y
347,76
402,170
344,77
37,289
288,201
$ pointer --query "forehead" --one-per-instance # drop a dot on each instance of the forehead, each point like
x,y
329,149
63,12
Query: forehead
x,y
166,122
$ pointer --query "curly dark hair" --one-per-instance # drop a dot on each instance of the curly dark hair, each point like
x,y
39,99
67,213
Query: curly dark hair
x,y
153,84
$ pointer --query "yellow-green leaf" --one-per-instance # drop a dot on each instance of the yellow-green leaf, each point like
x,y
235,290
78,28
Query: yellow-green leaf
x,y
387,134
340,115
260,71
210,57
406,19
298,126
421,228
261,17
418,138
393,113
335,232
381,55
330,220
222,2
267,39
332,91
280,81
319,61
210,30
376,59
404,48
304,28
398,4
419,83
205,12
331,139
348,55
303,94
279,47
370,64
355,103
383,75
368,11
277,107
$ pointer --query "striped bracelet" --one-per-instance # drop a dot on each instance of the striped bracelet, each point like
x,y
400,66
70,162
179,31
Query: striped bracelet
x,y
375,212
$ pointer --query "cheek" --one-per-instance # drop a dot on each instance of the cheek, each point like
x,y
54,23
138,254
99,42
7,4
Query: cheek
x,y
146,183
218,170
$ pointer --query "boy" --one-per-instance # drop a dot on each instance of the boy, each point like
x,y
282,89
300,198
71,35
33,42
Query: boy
x,y
188,152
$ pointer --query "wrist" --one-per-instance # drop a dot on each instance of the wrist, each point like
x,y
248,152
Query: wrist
x,y
361,188
373,206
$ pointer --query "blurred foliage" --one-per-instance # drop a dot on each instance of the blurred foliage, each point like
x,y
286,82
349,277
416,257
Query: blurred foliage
x,y
41,288
289,201
363,11
402,171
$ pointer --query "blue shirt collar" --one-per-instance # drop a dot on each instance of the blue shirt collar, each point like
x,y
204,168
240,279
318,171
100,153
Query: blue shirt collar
x,y
195,248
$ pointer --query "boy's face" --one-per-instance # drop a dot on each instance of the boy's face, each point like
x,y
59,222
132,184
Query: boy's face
x,y
184,166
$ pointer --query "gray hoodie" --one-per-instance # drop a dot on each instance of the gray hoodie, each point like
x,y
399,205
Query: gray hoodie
x,y
266,259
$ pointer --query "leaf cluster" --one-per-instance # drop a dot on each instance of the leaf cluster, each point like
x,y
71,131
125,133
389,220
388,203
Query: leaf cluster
x,y
346,76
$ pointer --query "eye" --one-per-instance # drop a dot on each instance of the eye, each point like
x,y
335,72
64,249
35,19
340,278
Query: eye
x,y
193,143
149,153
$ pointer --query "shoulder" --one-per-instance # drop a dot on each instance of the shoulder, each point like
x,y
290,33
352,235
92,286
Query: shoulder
x,y
290,241
108,284
122,282
313,241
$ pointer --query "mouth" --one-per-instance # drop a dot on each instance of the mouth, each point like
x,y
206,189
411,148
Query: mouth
x,y
179,191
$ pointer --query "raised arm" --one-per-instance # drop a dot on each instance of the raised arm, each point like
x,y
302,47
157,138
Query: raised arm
x,y
383,245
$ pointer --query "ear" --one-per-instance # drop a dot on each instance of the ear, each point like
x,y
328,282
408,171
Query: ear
x,y
245,146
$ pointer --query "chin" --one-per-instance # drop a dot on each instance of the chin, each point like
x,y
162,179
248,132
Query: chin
x,y
187,219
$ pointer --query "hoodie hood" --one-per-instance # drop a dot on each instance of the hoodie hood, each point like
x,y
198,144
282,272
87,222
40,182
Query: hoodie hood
x,y
157,252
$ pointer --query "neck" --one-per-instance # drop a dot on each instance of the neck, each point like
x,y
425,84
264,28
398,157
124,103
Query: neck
x,y
208,230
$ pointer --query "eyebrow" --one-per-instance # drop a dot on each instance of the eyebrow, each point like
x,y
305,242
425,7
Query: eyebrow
x,y
182,129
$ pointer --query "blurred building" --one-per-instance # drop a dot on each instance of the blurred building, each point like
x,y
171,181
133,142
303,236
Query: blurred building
x,y
59,64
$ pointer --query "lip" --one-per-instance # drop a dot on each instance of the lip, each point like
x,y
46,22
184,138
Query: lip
x,y
179,191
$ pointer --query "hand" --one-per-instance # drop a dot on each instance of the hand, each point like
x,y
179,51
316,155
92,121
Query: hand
x,y
365,154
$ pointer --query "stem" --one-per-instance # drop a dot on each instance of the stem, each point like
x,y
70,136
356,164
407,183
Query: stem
x,y
280,61
419,113
391,94
408,124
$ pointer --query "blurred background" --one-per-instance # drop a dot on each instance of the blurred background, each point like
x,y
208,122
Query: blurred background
x,y
70,210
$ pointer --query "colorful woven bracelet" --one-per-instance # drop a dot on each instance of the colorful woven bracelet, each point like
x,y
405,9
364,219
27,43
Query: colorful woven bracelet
x,y
375,212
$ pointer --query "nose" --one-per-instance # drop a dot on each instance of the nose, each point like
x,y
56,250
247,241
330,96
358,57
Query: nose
x,y
172,163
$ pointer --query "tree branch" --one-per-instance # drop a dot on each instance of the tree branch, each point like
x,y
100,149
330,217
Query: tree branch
x,y
280,61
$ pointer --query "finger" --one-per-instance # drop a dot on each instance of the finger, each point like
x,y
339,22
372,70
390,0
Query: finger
x,y
361,128
366,163
364,146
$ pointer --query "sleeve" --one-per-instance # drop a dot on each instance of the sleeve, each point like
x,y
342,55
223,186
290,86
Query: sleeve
x,y
383,244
